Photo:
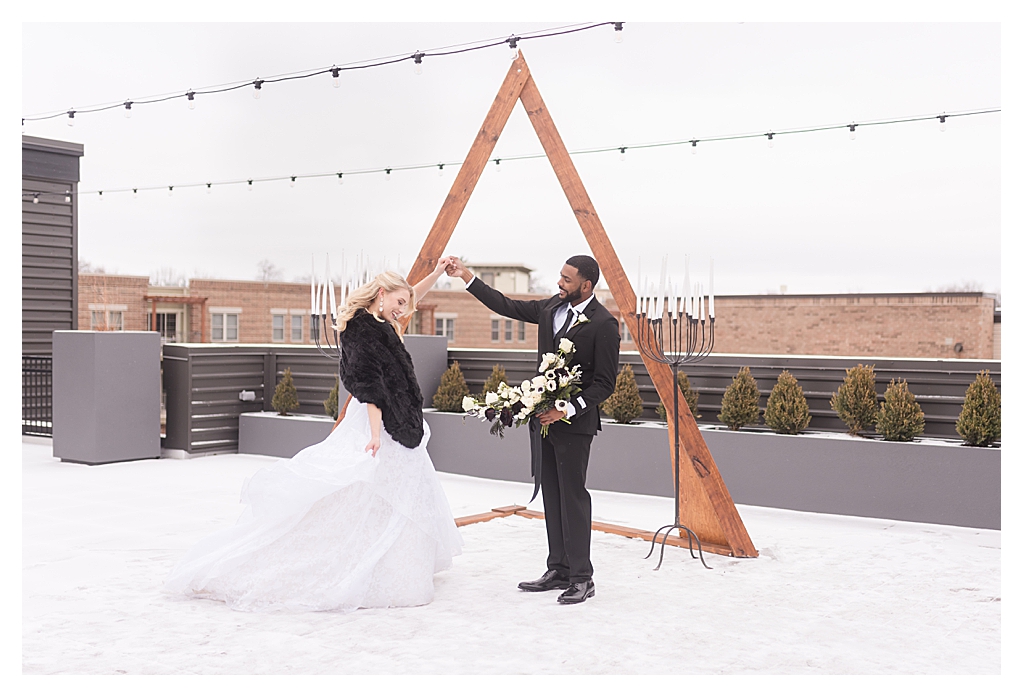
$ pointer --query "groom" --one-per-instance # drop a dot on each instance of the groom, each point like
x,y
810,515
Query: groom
x,y
559,461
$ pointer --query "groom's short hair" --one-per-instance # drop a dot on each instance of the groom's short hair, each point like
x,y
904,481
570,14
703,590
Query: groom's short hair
x,y
587,267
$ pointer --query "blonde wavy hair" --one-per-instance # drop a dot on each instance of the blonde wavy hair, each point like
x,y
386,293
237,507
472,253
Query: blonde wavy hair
x,y
365,297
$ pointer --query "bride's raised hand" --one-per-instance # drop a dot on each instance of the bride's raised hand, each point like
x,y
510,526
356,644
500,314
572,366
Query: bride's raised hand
x,y
373,446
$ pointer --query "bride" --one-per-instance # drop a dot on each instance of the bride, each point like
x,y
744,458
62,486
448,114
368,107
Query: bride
x,y
357,520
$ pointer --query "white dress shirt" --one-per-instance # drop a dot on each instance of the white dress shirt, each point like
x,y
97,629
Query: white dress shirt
x,y
559,319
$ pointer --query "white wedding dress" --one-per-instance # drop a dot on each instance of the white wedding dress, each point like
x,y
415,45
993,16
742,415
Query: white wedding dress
x,y
332,528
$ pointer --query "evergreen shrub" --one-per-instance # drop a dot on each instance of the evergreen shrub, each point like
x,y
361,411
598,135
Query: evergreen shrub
x,y
330,405
856,399
285,397
740,405
497,376
980,421
787,410
900,418
451,390
624,405
687,393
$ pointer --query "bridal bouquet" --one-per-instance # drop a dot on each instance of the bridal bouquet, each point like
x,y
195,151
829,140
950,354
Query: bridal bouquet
x,y
551,389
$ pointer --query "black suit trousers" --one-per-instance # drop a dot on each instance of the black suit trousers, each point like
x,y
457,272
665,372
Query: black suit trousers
x,y
566,502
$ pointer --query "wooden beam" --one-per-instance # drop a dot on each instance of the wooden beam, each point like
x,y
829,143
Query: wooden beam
x,y
704,502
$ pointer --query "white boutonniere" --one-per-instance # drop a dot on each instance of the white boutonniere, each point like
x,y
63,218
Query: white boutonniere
x,y
581,319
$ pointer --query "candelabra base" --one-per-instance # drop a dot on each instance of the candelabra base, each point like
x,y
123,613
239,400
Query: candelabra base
x,y
667,530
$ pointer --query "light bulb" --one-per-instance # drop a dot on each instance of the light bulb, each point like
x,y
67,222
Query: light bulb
x,y
619,34
852,131
209,187
35,198
67,197
418,58
440,170
134,193
336,74
23,126
127,110
693,149
250,185
497,165
770,140
621,154
71,118
513,44
941,123
387,175
258,84
340,181
292,183
170,190
191,99
100,195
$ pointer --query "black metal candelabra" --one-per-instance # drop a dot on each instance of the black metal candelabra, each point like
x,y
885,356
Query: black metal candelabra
x,y
674,337
326,348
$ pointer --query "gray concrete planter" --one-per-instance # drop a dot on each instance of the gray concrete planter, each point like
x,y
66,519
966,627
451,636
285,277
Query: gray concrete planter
x,y
269,433
930,482
106,396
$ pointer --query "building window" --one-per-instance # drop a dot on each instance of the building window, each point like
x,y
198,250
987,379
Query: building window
x,y
107,320
224,326
522,330
167,326
508,330
495,330
625,332
278,328
445,326
487,277
296,329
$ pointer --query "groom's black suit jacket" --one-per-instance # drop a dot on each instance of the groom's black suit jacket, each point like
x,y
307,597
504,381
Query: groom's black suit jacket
x,y
596,349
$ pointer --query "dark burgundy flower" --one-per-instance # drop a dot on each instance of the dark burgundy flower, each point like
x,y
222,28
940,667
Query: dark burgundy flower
x,y
490,413
517,407
506,416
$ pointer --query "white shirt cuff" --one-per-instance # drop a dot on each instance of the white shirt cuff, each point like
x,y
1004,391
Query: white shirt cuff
x,y
470,281
570,409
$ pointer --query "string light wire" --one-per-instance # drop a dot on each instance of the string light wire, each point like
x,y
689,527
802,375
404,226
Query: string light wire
x,y
942,118
334,70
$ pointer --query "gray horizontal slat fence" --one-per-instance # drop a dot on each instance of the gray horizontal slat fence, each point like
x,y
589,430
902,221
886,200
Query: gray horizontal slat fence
x,y
939,385
203,381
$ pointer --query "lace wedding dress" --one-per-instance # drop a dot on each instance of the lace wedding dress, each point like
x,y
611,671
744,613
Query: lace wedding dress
x,y
332,528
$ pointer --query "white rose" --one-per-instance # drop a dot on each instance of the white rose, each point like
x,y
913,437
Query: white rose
x,y
492,398
539,381
526,384
468,403
552,386
548,359
566,346
561,405
523,414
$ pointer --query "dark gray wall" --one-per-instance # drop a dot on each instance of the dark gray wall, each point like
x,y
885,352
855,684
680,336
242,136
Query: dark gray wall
x,y
939,385
931,483
49,237
203,381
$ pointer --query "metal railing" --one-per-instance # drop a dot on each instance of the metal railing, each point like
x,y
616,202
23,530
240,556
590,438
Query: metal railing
x,y
37,395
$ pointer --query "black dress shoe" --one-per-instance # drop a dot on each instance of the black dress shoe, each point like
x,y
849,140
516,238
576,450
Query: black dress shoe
x,y
550,581
577,593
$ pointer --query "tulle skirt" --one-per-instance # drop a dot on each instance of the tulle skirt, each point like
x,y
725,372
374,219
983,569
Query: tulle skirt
x,y
332,528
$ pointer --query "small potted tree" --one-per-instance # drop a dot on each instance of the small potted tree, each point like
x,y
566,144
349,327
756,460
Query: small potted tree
x,y
451,390
740,405
285,397
787,410
624,405
856,399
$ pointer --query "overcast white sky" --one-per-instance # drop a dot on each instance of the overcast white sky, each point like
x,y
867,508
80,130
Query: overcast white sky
x,y
901,208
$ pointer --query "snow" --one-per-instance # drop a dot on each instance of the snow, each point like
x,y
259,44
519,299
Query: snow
x,y
828,595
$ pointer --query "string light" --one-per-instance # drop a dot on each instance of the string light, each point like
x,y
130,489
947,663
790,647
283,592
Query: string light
x,y
35,198
292,184
209,187
619,34
336,70
621,154
852,131
170,190
418,58
336,74
67,196
440,170
340,181
191,99
498,162
134,193
127,110
71,117
513,44
100,195
941,123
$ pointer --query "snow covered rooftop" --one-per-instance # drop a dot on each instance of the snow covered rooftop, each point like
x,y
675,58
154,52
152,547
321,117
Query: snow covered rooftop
x,y
828,594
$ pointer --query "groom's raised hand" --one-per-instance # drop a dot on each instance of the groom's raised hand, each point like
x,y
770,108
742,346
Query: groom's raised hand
x,y
457,268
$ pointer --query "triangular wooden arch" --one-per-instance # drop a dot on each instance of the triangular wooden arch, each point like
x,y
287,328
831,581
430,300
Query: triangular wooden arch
x,y
704,502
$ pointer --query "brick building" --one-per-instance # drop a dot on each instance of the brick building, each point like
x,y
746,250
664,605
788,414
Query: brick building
x,y
905,325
